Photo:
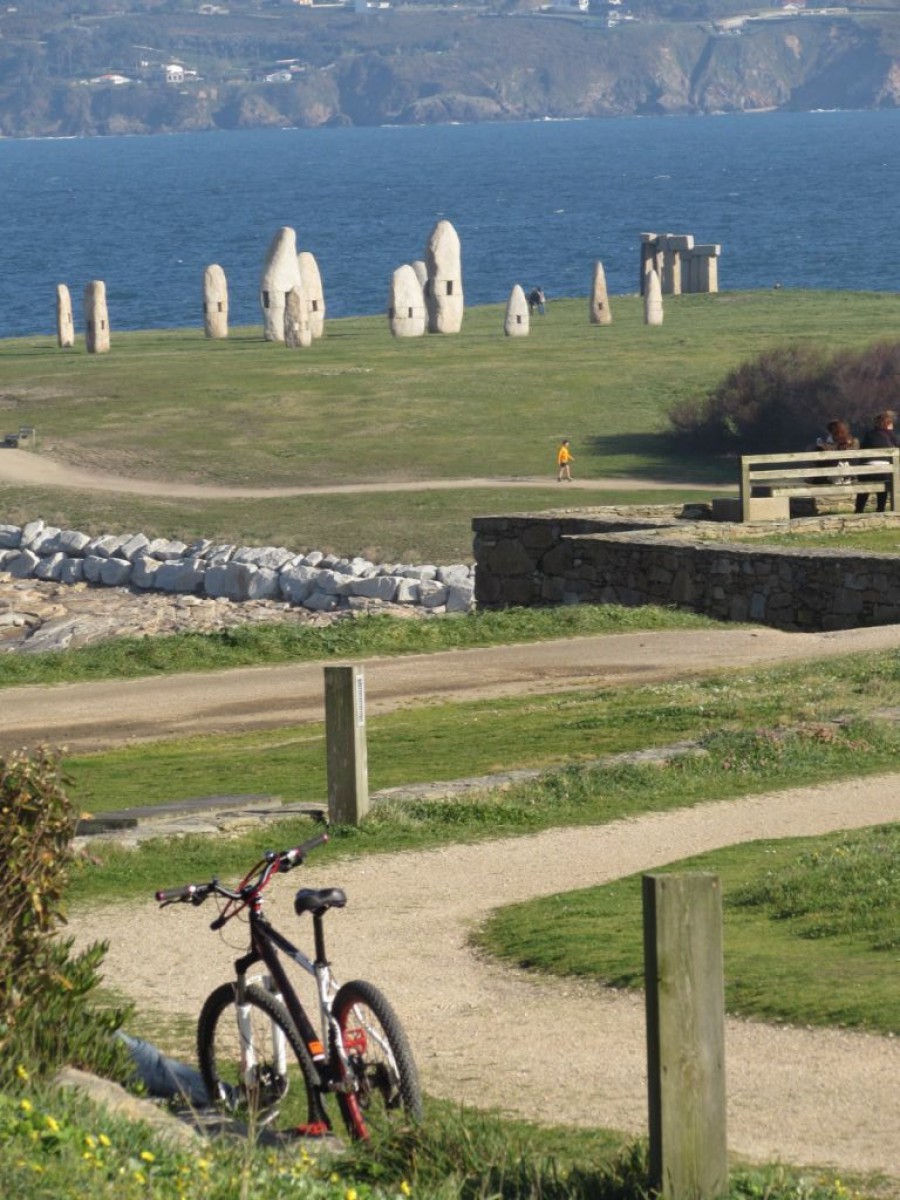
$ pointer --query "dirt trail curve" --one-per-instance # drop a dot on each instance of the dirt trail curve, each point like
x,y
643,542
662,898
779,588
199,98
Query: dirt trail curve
x,y
22,468
562,1052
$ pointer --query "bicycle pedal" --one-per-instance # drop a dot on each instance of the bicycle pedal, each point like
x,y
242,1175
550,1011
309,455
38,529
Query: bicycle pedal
x,y
313,1129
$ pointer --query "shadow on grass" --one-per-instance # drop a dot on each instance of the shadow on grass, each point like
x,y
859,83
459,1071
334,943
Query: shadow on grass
x,y
661,456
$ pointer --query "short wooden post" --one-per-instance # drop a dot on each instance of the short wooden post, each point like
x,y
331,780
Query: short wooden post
x,y
345,742
685,1000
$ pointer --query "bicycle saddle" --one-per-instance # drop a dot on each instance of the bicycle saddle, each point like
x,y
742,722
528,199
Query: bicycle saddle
x,y
313,900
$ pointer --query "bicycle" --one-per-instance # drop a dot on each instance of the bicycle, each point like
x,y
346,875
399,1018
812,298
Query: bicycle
x,y
248,1025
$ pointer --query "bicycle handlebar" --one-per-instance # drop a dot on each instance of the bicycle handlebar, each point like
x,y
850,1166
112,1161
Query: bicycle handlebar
x,y
273,862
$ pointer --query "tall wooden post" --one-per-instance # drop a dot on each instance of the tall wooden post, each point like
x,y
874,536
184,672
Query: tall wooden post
x,y
685,998
345,743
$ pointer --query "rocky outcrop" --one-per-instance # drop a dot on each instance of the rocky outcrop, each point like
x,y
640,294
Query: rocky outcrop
x,y
215,302
195,584
451,65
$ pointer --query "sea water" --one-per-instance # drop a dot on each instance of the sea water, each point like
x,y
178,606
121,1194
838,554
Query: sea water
x,y
804,200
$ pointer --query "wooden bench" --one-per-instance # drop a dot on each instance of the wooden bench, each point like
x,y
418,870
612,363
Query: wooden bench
x,y
770,481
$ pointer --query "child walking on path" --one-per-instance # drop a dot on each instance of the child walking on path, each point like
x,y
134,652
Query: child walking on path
x,y
563,458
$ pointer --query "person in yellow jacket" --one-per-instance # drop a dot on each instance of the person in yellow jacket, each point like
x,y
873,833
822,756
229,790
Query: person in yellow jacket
x,y
563,458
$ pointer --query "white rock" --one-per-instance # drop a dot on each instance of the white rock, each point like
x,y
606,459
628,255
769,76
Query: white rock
x,y
215,302
517,322
444,291
280,274
311,279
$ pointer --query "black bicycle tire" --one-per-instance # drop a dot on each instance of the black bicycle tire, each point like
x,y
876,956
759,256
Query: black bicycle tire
x,y
215,1008
353,1104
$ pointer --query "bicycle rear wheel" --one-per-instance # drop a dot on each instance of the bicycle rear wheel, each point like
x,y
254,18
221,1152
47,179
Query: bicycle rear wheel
x,y
383,1080
254,1063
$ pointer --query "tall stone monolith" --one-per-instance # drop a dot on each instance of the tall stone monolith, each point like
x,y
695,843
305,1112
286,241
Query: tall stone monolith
x,y
444,290
280,274
215,302
406,304
297,323
65,324
600,311
518,320
653,301
311,278
96,318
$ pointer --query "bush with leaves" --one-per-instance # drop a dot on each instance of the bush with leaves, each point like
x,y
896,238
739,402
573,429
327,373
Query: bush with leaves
x,y
783,399
46,1016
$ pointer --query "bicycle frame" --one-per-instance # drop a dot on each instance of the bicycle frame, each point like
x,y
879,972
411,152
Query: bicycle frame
x,y
265,944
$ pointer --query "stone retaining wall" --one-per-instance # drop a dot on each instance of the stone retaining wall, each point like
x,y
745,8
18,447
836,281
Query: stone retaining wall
x,y
319,582
603,556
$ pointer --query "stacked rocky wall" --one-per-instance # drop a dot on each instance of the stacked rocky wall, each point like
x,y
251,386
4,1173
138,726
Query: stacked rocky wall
x,y
598,557
317,581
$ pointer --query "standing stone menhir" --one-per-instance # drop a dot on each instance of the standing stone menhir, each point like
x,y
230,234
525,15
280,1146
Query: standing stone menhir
x,y
406,304
297,324
444,290
215,302
600,311
518,321
65,324
311,278
653,301
280,274
96,318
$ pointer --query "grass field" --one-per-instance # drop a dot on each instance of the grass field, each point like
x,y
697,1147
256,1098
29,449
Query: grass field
x,y
360,406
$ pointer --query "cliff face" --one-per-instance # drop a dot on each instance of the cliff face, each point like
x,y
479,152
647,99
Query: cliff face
x,y
414,66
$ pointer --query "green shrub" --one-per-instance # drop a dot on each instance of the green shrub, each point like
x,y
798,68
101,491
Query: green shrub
x,y
781,400
45,1015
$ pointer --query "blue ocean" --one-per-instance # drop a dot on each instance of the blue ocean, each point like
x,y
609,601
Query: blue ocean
x,y
806,200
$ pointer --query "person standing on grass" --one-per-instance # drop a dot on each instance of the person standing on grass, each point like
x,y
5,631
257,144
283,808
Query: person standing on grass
x,y
880,437
564,456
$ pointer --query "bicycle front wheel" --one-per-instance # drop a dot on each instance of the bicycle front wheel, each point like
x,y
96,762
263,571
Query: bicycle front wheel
x,y
254,1063
380,1076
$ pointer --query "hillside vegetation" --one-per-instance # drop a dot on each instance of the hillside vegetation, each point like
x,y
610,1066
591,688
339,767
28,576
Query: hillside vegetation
x,y
102,69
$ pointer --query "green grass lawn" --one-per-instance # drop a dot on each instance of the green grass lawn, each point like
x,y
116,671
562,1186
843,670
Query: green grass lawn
x,y
360,406
812,929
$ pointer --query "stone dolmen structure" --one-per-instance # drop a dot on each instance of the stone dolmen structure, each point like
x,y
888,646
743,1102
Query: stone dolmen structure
x,y
599,311
318,582
444,289
653,301
215,302
518,319
311,278
96,318
65,325
280,274
407,316
681,266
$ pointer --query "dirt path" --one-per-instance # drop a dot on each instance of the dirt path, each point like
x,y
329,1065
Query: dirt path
x,y
35,470
89,715
563,1052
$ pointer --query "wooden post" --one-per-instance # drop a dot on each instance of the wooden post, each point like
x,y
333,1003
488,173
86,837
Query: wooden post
x,y
345,741
685,1002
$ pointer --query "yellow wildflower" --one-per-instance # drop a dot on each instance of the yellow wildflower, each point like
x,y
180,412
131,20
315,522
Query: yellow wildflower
x,y
405,1188
22,1073
51,1123
104,1140
147,1156
26,1106
350,1194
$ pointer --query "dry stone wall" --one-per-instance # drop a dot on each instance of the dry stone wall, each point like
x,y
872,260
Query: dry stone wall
x,y
317,581
608,557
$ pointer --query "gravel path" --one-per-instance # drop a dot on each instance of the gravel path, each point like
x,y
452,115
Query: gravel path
x,y
22,468
488,1035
